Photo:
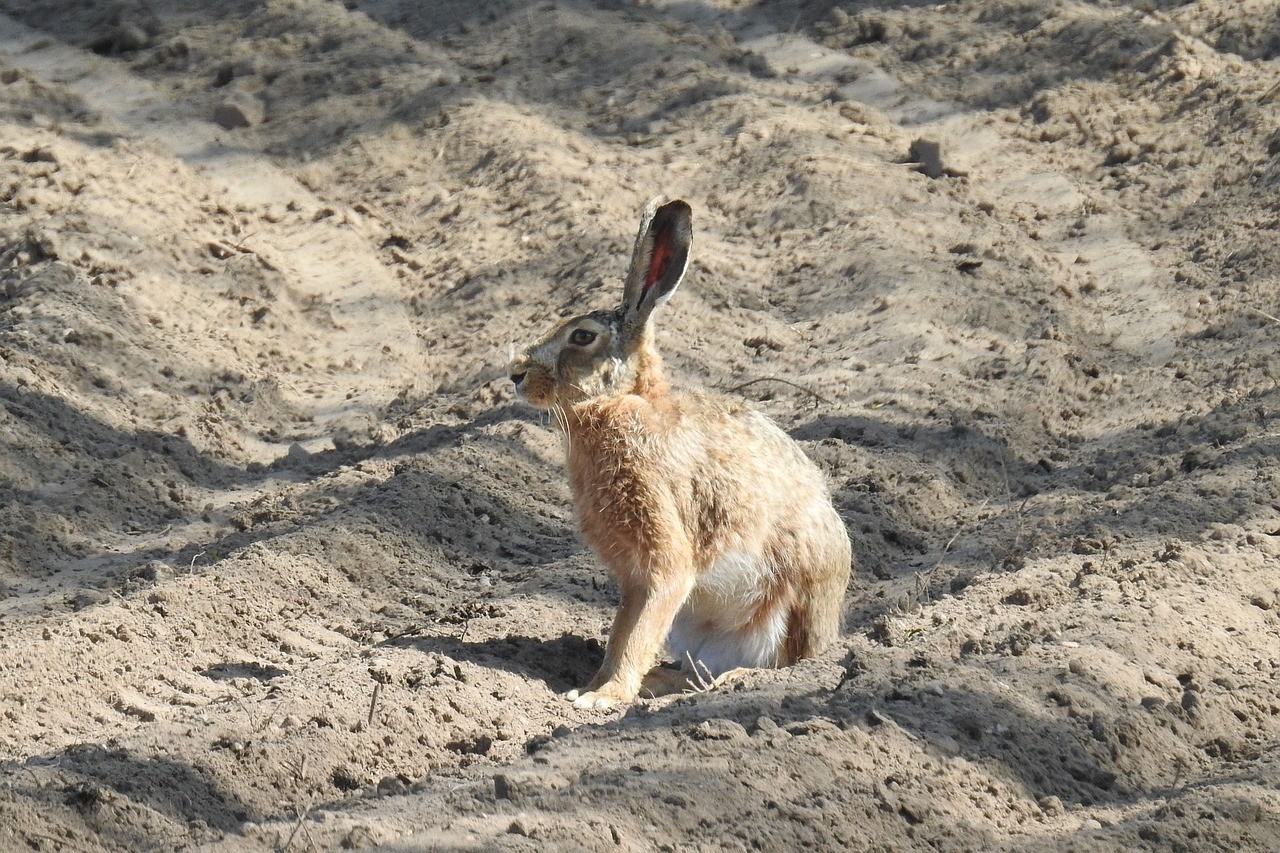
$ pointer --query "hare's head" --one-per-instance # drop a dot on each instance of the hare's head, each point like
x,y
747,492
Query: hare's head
x,y
611,352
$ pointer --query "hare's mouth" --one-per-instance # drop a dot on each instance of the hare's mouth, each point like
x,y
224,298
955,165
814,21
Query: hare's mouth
x,y
534,388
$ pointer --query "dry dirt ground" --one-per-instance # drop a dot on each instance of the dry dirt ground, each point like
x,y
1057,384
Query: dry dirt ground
x,y
284,566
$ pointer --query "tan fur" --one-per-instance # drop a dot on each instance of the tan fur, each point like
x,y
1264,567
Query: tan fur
x,y
719,530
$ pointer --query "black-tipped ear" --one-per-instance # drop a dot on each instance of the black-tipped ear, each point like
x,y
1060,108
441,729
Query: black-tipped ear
x,y
659,261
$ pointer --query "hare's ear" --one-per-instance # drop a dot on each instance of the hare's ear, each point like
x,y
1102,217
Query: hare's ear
x,y
659,261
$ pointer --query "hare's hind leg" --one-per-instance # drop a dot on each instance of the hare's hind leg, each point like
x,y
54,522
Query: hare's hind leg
x,y
689,677
712,637
813,621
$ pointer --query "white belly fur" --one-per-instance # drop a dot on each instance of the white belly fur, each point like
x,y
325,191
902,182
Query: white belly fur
x,y
720,628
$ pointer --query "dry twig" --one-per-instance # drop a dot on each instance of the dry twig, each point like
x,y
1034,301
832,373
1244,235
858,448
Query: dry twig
x,y
795,385
1261,313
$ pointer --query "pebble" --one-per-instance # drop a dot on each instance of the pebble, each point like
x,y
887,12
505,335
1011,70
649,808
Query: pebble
x,y
1050,805
718,729
238,110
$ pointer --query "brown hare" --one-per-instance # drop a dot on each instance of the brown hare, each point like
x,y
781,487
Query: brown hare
x,y
719,530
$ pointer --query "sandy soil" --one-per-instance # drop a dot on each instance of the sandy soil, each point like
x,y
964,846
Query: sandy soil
x,y
283,564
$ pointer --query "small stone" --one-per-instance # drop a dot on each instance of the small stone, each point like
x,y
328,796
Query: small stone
x,y
137,705
718,729
154,572
765,725
240,109
123,37
390,786
88,598
358,838
1050,805
927,155
130,37
1122,151
505,788
913,810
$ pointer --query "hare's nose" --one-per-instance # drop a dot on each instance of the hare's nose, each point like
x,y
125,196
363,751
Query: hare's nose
x,y
517,378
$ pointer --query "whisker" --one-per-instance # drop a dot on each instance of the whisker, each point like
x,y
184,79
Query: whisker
x,y
562,420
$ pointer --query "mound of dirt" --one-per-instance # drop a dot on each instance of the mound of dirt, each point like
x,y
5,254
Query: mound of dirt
x,y
284,565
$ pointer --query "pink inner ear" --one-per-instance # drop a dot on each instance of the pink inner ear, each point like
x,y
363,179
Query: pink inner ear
x,y
661,259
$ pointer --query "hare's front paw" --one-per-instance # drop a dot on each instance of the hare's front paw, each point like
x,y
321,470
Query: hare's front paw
x,y
596,700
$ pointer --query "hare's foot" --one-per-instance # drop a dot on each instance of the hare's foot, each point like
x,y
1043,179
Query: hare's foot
x,y
665,681
699,681
601,699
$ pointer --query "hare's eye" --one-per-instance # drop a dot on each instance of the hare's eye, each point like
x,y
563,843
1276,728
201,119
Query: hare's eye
x,y
582,337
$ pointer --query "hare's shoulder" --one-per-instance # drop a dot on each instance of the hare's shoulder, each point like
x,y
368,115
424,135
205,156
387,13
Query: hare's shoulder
x,y
699,405
690,414
670,409
714,414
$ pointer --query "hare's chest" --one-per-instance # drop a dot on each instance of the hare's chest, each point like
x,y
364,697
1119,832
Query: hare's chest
x,y
610,500
617,488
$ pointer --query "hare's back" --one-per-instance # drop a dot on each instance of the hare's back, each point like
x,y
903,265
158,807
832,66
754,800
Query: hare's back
x,y
727,442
